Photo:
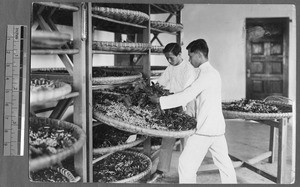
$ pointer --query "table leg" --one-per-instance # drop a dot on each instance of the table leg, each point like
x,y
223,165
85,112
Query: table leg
x,y
282,147
272,144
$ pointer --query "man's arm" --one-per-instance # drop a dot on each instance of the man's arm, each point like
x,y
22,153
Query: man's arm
x,y
190,93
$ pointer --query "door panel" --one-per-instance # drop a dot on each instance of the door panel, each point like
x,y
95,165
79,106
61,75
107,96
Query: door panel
x,y
266,62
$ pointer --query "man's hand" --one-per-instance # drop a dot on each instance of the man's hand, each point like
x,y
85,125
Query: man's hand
x,y
154,99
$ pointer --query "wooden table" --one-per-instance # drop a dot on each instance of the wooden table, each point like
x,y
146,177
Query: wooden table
x,y
281,126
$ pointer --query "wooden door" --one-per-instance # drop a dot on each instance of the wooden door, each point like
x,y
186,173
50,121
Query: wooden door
x,y
266,57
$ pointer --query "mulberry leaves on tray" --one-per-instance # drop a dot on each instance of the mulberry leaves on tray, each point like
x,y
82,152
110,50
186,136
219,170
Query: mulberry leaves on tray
x,y
136,100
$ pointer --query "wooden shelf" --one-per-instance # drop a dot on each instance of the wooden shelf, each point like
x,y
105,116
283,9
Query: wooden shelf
x,y
83,23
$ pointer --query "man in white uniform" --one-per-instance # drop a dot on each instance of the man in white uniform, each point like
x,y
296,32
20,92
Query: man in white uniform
x,y
177,76
209,135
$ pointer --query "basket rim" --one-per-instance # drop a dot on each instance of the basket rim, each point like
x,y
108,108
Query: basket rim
x,y
48,70
64,172
230,114
119,147
120,46
140,175
166,26
140,130
116,80
131,16
49,160
51,95
123,43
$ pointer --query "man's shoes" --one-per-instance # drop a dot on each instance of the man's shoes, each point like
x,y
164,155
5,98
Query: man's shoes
x,y
156,176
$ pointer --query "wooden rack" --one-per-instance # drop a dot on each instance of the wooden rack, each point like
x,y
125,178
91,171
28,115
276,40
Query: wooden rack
x,y
78,60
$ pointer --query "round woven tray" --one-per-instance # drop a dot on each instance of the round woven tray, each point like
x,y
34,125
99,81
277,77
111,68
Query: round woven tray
x,y
42,96
166,26
259,116
66,173
139,130
130,16
140,175
49,160
119,147
60,74
47,39
120,46
116,79
49,70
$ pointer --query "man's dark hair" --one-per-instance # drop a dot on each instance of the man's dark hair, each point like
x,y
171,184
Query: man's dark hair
x,y
198,45
173,48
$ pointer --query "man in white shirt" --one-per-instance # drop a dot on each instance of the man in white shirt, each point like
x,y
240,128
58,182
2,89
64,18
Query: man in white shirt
x,y
177,76
209,135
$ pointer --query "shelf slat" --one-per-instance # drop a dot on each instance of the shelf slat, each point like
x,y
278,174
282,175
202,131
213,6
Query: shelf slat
x,y
163,10
53,51
119,22
59,5
154,30
118,52
70,95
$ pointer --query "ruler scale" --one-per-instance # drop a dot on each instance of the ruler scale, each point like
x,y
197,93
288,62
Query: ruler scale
x,y
15,81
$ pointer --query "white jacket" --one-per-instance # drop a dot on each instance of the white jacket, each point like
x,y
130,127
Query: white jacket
x,y
207,91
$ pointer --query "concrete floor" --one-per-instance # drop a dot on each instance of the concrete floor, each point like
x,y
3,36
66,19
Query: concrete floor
x,y
245,141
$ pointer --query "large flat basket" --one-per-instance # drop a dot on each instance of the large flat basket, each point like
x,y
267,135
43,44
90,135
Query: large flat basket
x,y
166,26
284,107
40,97
130,76
45,161
120,46
140,130
51,174
139,156
124,15
121,147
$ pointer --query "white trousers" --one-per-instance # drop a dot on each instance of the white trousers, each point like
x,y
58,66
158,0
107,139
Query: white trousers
x,y
194,153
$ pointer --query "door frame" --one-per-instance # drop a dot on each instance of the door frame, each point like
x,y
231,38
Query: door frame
x,y
285,21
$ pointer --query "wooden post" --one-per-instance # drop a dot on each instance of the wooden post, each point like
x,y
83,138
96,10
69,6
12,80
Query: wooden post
x,y
146,58
82,84
179,36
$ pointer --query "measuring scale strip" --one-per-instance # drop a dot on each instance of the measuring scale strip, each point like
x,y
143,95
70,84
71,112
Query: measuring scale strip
x,y
14,108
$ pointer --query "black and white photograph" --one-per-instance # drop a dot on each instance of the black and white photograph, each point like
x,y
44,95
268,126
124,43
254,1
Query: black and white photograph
x,y
151,93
